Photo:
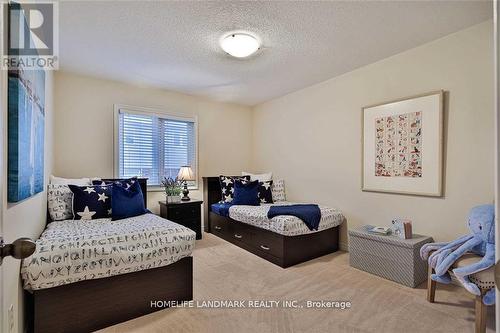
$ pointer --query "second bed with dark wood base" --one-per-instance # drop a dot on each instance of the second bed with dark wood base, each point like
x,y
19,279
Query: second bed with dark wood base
x,y
281,250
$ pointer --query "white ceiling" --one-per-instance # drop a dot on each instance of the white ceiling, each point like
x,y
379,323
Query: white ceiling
x,y
174,45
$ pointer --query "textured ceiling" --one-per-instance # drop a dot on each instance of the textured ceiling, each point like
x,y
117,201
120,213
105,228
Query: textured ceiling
x,y
174,45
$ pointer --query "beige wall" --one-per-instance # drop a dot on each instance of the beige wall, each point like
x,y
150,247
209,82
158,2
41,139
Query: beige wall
x,y
84,127
26,218
312,137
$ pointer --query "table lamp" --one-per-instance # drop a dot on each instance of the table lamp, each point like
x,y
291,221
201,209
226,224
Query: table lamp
x,y
185,174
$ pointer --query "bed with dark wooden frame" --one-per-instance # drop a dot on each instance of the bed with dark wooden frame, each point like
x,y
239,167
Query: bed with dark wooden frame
x,y
94,304
281,250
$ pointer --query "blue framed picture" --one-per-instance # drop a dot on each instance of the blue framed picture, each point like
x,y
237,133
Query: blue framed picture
x,y
26,132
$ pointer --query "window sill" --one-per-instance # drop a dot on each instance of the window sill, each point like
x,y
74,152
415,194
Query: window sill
x,y
160,189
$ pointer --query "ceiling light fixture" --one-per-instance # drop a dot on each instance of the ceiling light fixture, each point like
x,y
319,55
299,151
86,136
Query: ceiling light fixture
x,y
240,45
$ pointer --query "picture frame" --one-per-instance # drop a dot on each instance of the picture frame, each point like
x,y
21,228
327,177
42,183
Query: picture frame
x,y
26,134
402,145
26,112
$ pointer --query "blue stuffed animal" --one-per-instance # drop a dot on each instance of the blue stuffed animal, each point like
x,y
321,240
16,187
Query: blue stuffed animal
x,y
481,241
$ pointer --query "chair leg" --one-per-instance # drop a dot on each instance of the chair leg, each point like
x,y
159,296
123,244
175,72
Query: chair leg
x,y
431,286
481,311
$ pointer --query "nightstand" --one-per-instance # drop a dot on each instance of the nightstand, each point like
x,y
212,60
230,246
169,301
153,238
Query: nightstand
x,y
186,213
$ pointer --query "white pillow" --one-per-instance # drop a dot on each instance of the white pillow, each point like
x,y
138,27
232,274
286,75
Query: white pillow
x,y
59,202
263,177
68,181
278,190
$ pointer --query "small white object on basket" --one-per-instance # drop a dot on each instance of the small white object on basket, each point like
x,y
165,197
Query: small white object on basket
x,y
401,228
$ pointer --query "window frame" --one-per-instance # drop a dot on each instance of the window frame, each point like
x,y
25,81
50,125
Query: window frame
x,y
156,113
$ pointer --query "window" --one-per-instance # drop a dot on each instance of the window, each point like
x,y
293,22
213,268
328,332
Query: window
x,y
153,145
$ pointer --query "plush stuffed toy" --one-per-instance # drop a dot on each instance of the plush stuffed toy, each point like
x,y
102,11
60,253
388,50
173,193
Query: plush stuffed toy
x,y
480,241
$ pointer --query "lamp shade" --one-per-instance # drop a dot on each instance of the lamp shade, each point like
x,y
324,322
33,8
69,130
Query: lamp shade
x,y
185,173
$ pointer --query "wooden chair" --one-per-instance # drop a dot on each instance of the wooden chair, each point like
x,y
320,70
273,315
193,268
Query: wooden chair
x,y
485,280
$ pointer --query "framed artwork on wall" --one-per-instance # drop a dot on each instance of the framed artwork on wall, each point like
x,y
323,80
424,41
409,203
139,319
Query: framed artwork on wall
x,y
403,146
26,131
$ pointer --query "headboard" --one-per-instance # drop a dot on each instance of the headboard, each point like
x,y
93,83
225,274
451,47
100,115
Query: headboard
x,y
143,182
211,194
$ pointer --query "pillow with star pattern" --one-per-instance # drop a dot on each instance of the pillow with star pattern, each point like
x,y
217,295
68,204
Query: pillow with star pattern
x,y
91,202
265,192
227,186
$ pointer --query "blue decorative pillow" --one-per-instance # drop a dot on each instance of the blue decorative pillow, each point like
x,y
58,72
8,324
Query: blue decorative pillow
x,y
122,182
246,193
127,202
91,202
265,193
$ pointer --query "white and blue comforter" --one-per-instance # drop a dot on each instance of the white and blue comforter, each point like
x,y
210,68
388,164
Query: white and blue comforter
x,y
71,251
284,224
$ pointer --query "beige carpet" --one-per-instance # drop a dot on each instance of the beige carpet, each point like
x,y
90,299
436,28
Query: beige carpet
x,y
224,271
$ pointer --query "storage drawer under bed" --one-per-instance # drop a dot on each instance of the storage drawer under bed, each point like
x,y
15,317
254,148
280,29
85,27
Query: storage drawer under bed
x,y
269,242
220,226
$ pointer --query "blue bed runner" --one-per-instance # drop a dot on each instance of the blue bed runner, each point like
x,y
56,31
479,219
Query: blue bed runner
x,y
221,209
309,214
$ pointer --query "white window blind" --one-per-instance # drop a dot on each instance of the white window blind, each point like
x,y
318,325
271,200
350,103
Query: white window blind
x,y
153,146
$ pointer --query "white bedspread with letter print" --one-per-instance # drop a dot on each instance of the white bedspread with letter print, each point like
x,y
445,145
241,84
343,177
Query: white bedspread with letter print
x,y
75,250
285,225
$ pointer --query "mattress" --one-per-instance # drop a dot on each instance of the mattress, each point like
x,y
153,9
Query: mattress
x,y
285,225
75,250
